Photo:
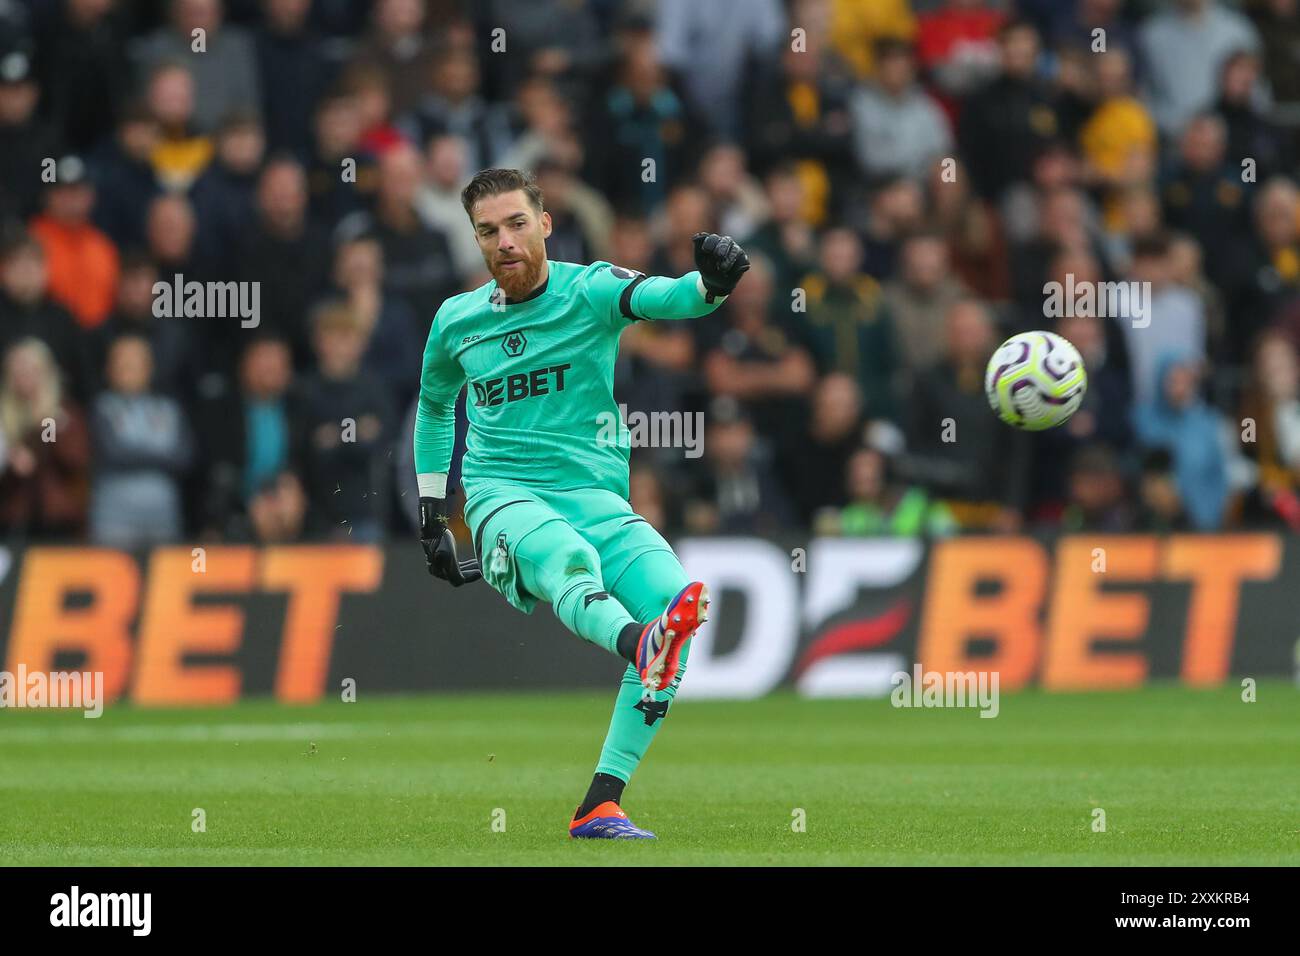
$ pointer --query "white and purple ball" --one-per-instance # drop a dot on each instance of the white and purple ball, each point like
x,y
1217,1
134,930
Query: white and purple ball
x,y
1035,381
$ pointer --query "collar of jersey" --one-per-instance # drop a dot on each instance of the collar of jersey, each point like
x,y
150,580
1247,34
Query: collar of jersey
x,y
532,295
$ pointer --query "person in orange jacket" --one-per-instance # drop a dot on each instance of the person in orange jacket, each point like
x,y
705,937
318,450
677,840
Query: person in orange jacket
x,y
82,262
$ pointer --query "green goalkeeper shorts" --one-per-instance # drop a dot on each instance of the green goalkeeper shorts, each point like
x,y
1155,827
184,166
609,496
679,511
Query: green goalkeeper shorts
x,y
508,519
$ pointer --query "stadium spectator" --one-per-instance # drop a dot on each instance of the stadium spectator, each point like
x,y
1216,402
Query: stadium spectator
x,y
141,447
438,203
121,168
27,312
345,419
918,300
978,466
170,231
764,364
27,141
650,499
246,432
294,71
551,38
44,482
1176,319
1184,46
392,330
798,111
1105,413
1203,193
1279,30
1134,213
171,338
545,127
735,490
974,234
834,433
640,120
1160,506
897,127
1065,222
224,195
454,106
277,512
1007,121
686,212
1186,270
1250,132
341,176
709,48
1097,496
787,239
847,326
1055,168
1178,420
1265,282
737,198
854,27
1119,137
221,59
182,151
1074,26
1270,422
879,505
897,210
418,266
85,72
397,45
368,88
1103,421
81,262
580,217
285,252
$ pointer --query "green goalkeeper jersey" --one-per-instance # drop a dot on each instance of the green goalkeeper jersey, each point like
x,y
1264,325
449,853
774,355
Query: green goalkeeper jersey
x,y
541,378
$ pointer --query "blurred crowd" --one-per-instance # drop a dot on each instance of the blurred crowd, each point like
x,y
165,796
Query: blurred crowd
x,y
905,174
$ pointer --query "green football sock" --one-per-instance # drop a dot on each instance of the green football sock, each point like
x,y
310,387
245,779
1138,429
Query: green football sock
x,y
635,722
646,587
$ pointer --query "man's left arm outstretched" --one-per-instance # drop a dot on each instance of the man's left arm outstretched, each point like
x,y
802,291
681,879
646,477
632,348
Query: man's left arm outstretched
x,y
720,262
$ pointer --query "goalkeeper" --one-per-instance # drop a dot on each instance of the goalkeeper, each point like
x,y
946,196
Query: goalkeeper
x,y
546,491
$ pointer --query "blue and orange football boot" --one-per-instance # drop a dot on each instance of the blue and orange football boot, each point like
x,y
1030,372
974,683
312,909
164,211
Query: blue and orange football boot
x,y
661,643
607,822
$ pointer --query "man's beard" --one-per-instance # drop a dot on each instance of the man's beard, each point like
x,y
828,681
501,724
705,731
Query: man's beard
x,y
517,283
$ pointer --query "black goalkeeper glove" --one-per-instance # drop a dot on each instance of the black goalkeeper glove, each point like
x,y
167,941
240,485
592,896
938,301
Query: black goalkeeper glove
x,y
721,262
440,546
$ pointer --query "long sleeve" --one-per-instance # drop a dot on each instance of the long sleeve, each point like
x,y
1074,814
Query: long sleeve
x,y
441,380
661,298
622,295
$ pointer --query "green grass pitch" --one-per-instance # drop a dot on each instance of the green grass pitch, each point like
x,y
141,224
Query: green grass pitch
x,y
1185,777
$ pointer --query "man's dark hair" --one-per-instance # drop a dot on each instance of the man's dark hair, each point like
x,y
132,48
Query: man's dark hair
x,y
891,46
494,182
1153,246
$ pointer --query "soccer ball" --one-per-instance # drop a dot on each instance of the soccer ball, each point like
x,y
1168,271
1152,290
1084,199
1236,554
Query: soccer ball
x,y
1035,381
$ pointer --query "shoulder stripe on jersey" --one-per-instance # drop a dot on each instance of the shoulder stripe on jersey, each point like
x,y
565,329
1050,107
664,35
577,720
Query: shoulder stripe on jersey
x,y
625,300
